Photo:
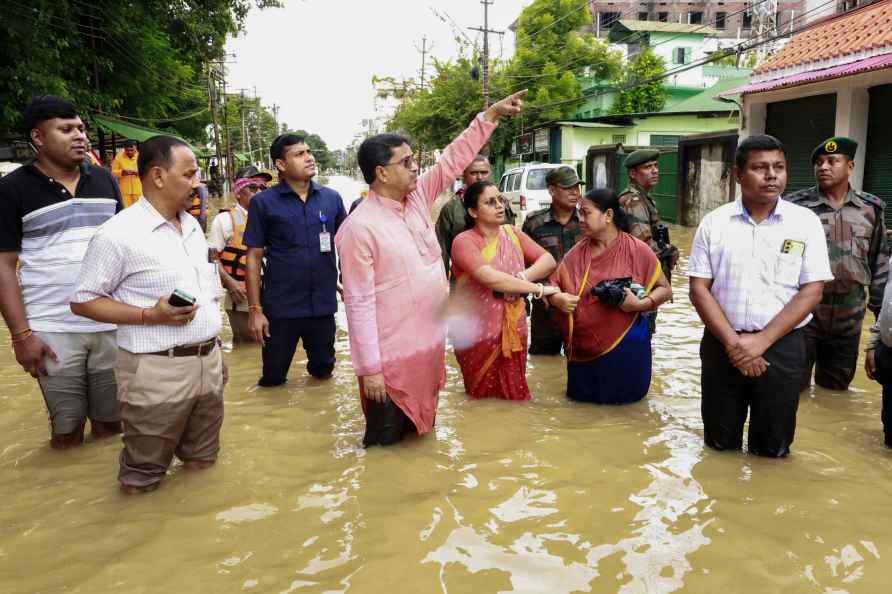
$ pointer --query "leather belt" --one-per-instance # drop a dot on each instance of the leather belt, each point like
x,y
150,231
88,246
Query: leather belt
x,y
190,350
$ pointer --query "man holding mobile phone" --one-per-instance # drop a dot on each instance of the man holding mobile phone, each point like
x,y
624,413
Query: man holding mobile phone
x,y
170,369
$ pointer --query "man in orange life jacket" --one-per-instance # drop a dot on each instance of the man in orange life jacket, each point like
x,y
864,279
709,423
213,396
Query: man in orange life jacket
x,y
226,238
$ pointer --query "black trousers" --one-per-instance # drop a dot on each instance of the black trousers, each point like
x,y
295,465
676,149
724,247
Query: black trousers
x,y
833,358
386,423
545,334
318,335
883,356
772,399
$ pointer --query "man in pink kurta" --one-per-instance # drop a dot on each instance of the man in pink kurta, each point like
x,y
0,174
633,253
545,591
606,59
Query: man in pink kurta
x,y
395,287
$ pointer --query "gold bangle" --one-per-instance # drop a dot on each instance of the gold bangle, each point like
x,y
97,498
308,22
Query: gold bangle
x,y
255,308
22,336
25,330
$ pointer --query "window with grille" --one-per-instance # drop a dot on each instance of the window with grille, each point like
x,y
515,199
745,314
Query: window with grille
x,y
681,55
720,18
696,18
747,20
663,17
619,139
607,19
664,139
642,16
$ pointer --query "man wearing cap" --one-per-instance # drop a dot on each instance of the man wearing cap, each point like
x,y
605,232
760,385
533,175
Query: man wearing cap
x,y
859,258
641,211
452,219
556,229
124,168
227,239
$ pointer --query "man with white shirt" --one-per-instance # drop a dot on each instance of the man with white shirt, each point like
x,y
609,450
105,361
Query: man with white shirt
x,y
49,210
170,368
227,238
757,270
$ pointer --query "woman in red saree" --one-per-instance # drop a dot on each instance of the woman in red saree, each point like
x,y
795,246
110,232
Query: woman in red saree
x,y
489,325
608,346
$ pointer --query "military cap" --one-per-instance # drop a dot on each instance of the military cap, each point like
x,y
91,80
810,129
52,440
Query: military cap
x,y
251,171
641,156
838,145
563,176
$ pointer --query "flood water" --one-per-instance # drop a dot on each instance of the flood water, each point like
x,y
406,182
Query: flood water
x,y
546,496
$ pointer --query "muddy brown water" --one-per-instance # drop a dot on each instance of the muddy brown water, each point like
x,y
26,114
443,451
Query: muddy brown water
x,y
547,496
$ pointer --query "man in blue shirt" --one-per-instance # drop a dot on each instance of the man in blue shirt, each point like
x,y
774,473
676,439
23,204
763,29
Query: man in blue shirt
x,y
292,227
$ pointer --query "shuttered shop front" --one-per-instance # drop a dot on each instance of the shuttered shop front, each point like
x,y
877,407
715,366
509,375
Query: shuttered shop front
x,y
878,156
801,124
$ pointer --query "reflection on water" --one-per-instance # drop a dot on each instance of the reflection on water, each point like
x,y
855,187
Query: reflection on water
x,y
549,496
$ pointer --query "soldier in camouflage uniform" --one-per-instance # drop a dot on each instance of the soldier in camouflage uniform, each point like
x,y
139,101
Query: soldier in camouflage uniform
x,y
642,214
452,218
859,259
556,229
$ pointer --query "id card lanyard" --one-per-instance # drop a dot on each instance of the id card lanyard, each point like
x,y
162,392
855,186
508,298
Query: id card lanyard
x,y
325,236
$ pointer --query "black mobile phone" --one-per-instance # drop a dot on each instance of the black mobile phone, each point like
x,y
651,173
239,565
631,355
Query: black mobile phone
x,y
181,299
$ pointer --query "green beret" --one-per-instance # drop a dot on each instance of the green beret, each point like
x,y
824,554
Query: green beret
x,y
838,145
563,176
641,156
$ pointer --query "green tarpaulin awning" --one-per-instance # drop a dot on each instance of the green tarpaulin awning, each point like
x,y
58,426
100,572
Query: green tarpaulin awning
x,y
128,130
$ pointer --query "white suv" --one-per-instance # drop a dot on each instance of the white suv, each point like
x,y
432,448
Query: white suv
x,y
526,189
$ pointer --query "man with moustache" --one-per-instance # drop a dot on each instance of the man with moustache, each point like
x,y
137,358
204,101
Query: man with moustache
x,y
557,229
292,226
170,368
395,289
757,270
452,219
49,210
859,259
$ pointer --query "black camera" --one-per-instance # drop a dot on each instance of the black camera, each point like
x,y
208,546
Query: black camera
x,y
612,291
661,236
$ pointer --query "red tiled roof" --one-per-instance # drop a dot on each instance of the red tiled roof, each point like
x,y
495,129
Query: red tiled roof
x,y
867,29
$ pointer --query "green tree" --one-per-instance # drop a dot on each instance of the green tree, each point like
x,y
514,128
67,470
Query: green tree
x,y
642,93
554,49
143,60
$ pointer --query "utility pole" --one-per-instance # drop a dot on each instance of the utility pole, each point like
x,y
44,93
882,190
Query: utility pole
x,y
486,31
230,171
212,96
424,50
242,110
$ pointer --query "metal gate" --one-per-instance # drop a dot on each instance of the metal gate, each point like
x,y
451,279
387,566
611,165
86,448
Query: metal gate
x,y
878,162
801,124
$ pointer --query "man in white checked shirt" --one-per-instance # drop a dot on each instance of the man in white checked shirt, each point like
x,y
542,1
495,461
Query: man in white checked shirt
x,y
170,369
757,270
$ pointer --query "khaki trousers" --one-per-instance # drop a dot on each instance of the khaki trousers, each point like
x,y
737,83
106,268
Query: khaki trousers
x,y
169,405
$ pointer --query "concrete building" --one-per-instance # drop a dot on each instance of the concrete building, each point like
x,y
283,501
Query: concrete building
x,y
732,20
835,78
568,142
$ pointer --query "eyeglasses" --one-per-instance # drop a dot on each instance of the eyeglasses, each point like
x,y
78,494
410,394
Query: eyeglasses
x,y
405,162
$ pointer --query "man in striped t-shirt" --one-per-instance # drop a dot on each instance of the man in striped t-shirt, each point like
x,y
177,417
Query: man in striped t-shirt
x,y
49,211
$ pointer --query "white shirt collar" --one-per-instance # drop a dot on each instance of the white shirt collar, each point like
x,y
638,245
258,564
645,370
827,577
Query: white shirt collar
x,y
151,214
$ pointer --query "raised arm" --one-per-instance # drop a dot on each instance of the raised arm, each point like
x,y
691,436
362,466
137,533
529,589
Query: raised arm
x,y
461,151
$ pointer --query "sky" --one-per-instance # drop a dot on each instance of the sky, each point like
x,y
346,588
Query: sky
x,y
316,58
